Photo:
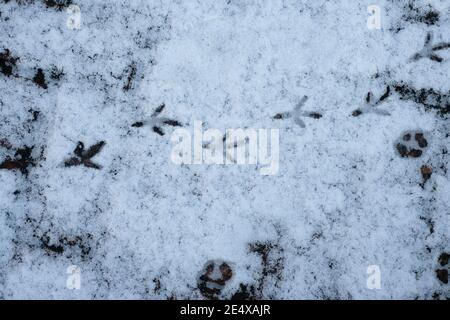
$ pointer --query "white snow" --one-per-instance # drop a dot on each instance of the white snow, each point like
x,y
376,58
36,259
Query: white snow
x,y
142,227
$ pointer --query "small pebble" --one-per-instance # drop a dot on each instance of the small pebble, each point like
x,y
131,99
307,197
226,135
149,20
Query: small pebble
x,y
426,172
442,275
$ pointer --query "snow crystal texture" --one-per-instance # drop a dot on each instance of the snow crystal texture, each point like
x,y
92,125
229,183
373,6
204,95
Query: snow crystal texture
x,y
85,184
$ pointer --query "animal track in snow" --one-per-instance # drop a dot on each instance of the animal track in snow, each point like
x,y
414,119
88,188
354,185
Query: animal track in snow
x,y
157,122
371,105
412,144
7,63
297,113
8,66
214,276
428,50
227,146
84,156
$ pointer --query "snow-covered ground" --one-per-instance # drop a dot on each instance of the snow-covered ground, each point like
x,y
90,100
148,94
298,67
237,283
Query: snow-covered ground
x,y
359,208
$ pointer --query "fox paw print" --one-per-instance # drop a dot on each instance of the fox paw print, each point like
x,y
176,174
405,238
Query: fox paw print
x,y
442,274
213,278
412,144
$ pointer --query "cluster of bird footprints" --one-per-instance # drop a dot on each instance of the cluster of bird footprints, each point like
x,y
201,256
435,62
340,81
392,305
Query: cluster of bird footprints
x,y
412,144
217,273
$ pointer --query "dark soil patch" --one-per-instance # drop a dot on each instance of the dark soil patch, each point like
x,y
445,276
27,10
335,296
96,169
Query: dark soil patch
x,y
68,245
39,79
58,4
272,263
444,258
4,143
22,161
7,63
245,292
426,15
429,98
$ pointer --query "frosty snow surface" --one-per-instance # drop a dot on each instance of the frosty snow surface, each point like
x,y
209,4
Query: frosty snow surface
x,y
92,207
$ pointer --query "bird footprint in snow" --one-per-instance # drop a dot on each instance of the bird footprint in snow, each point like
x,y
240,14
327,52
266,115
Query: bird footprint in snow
x,y
157,122
371,104
297,113
428,50
83,157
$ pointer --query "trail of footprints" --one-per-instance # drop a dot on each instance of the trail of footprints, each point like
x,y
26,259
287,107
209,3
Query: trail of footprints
x,y
371,105
216,273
